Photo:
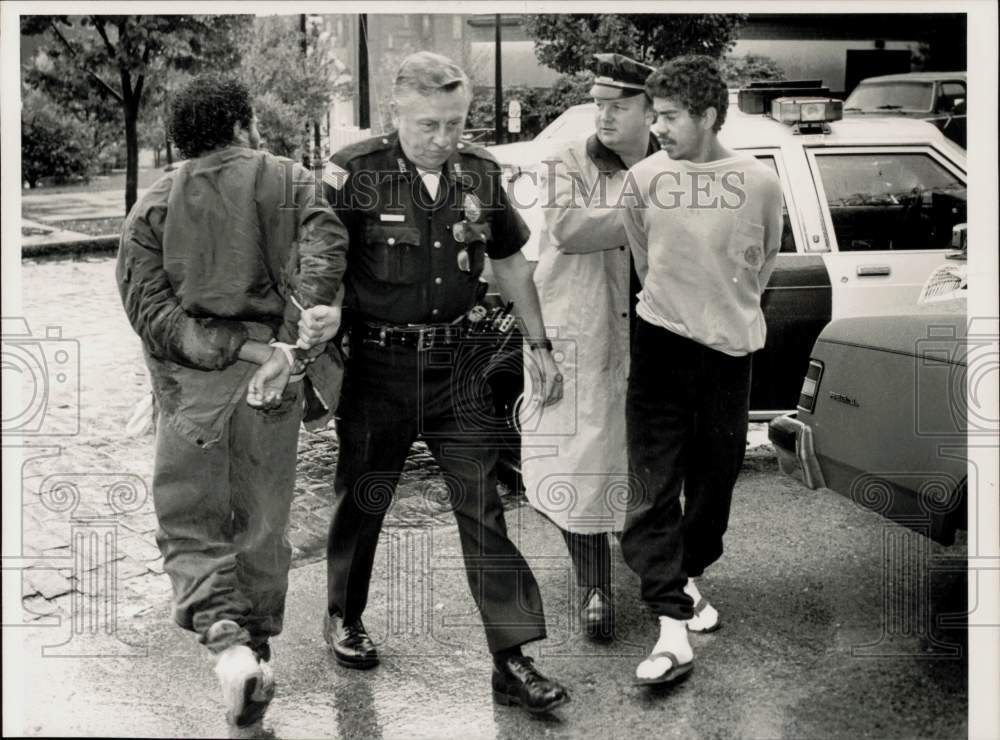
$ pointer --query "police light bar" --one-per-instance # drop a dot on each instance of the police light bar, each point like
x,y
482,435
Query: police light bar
x,y
807,115
756,97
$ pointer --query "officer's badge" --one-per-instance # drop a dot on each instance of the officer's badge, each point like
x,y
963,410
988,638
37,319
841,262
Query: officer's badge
x,y
473,207
334,175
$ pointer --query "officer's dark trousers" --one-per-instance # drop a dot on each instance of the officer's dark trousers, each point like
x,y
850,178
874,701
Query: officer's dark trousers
x,y
392,396
591,556
222,514
687,409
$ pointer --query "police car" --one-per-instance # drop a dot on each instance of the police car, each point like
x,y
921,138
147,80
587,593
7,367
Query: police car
x,y
869,206
883,416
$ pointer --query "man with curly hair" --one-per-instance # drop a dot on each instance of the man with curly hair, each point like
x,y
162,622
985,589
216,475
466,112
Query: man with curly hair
x,y
212,262
704,226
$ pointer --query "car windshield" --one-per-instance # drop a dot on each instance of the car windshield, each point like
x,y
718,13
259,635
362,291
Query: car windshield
x,y
889,96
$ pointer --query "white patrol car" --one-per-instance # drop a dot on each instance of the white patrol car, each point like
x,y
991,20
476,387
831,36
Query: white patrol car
x,y
869,208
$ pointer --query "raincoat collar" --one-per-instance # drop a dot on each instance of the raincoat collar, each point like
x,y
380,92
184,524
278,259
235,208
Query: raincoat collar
x,y
606,160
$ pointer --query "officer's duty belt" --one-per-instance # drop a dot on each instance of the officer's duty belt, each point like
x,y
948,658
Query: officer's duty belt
x,y
416,336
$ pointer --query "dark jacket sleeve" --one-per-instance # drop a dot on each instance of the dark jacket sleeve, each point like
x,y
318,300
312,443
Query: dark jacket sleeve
x,y
317,252
322,244
154,312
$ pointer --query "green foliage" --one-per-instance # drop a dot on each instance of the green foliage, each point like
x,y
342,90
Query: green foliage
x,y
740,70
52,144
290,89
539,105
567,42
99,67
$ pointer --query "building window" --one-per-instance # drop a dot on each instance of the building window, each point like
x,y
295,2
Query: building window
x,y
456,27
406,20
388,42
425,24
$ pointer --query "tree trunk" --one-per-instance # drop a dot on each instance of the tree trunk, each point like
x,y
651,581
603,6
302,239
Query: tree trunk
x,y
131,107
170,153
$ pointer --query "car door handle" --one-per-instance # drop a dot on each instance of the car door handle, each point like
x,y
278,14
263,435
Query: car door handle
x,y
873,270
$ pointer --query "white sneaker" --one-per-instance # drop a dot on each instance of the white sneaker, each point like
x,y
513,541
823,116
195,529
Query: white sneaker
x,y
671,656
242,680
706,618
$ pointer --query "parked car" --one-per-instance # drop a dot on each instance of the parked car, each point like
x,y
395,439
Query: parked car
x,y
938,97
869,206
882,412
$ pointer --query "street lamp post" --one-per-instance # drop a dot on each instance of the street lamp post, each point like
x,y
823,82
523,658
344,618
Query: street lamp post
x,y
498,90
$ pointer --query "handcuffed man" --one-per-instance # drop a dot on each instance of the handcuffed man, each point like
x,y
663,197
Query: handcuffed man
x,y
424,210
212,260
705,230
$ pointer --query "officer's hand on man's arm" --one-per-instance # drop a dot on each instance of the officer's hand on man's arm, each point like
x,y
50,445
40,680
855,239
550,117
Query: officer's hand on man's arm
x,y
320,323
513,275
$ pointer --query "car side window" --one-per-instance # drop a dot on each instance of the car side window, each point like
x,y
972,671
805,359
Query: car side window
x,y
891,200
951,98
787,235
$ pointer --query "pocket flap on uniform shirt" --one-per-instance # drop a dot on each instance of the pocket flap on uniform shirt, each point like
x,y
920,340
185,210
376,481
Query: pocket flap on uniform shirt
x,y
392,234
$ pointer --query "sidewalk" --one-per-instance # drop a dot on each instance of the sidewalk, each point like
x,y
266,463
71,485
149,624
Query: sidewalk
x,y
42,214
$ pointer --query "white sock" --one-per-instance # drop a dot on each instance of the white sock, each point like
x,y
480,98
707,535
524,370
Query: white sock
x,y
673,638
235,666
708,617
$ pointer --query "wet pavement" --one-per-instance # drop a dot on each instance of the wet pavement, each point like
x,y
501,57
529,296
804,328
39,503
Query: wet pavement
x,y
833,618
807,650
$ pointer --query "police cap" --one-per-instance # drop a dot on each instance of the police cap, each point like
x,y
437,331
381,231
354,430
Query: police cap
x,y
617,76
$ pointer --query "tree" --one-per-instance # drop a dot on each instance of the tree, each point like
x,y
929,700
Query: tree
x,y
118,55
52,145
292,88
739,70
567,42
539,105
75,95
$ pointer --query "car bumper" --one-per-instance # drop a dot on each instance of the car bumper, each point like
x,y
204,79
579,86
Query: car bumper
x,y
793,442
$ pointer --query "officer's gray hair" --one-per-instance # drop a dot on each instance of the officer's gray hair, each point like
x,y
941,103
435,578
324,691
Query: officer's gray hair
x,y
425,73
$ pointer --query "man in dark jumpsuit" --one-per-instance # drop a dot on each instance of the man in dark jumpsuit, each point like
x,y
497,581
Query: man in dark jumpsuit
x,y
212,262
423,211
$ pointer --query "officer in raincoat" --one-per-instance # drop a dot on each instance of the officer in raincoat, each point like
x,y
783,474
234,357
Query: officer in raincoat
x,y
573,453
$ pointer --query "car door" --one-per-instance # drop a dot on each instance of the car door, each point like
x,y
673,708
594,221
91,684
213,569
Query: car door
x,y
888,213
950,107
796,301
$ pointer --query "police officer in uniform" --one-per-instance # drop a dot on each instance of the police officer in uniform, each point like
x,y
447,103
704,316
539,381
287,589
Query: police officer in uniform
x,y
423,211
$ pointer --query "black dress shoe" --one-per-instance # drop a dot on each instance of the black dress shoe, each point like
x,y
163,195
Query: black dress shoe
x,y
518,683
598,615
349,642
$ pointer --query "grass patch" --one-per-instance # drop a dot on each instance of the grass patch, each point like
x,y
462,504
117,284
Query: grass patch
x,y
114,181
94,226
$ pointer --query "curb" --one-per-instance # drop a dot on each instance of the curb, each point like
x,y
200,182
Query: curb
x,y
76,248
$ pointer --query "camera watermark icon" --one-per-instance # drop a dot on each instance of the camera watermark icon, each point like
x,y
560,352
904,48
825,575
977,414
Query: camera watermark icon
x,y
92,505
954,368
927,506
41,381
910,625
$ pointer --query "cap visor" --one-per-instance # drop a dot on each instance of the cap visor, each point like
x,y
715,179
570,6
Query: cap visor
x,y
601,91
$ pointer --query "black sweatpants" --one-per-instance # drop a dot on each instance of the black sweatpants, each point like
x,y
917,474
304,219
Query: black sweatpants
x,y
687,410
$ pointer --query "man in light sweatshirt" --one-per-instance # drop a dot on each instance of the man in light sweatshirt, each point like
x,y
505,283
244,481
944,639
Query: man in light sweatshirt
x,y
704,226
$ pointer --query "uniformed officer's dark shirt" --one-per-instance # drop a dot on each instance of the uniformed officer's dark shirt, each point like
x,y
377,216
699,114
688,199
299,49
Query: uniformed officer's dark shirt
x,y
404,262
